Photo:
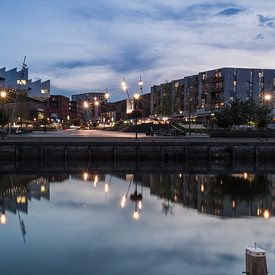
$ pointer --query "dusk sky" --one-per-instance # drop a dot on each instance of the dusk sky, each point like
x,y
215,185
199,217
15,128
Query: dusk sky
x,y
90,45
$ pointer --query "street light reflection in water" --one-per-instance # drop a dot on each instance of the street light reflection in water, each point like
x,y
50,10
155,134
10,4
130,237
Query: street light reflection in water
x,y
117,213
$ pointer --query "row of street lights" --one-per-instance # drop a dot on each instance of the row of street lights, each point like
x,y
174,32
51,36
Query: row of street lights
x,y
96,103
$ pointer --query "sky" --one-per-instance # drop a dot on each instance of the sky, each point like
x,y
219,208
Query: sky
x,y
90,45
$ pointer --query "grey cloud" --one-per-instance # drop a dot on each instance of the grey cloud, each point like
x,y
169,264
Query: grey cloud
x,y
259,37
130,58
230,12
266,21
108,11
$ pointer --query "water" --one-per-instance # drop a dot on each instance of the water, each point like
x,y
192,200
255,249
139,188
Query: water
x,y
122,222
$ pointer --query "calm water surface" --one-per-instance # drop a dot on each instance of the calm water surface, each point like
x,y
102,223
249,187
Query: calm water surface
x,y
134,223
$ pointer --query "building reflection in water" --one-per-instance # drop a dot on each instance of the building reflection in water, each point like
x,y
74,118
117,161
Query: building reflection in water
x,y
233,195
16,191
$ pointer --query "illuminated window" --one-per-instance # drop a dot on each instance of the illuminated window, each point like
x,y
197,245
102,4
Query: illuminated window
x,y
235,83
21,82
44,91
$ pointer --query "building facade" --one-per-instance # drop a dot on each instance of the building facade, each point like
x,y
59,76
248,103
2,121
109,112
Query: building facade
x,y
19,80
90,105
208,91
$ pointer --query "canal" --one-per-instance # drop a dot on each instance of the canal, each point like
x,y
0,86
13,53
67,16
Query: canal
x,y
125,218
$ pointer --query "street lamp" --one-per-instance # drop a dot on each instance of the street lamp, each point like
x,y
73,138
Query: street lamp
x,y
3,95
124,87
267,98
96,103
140,84
136,98
86,106
107,96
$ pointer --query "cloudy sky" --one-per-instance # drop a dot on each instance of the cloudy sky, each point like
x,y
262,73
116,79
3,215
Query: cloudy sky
x,y
85,45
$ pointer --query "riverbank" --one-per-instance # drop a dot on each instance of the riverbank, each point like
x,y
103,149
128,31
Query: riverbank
x,y
145,148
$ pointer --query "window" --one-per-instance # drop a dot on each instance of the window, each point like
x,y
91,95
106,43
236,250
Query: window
x,y
273,82
235,83
21,82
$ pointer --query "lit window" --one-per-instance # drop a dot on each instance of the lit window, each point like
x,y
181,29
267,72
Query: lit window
x,y
44,91
235,83
21,82
274,82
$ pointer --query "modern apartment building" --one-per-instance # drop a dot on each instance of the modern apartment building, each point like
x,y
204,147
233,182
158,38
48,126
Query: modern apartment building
x,y
19,80
207,91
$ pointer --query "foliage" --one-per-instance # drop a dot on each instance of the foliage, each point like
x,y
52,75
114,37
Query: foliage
x,y
43,121
239,112
76,122
135,114
6,117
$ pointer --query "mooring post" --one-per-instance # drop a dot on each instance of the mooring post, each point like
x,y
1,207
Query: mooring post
x,y
255,261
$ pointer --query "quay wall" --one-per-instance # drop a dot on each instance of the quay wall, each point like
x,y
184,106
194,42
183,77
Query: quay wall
x,y
130,150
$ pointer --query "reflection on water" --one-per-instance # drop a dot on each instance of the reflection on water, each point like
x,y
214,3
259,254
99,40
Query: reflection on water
x,y
161,198
236,195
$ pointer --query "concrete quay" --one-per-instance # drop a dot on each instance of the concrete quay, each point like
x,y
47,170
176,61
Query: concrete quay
x,y
145,148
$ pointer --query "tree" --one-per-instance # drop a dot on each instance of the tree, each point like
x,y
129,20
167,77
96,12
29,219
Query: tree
x,y
6,117
240,112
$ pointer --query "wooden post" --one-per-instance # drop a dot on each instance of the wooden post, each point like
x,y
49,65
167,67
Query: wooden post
x,y
255,261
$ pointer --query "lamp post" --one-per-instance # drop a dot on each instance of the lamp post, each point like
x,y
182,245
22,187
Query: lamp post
x,y
189,111
3,95
140,84
124,87
107,96
136,98
96,103
267,98
86,107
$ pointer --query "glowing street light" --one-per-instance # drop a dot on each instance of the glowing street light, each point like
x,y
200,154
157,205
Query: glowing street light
x,y
107,96
124,85
267,97
85,104
140,84
3,94
136,96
